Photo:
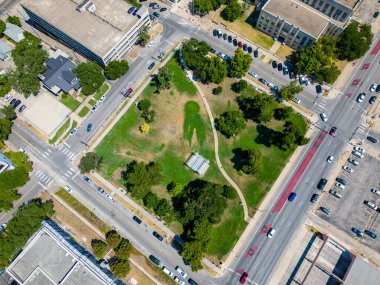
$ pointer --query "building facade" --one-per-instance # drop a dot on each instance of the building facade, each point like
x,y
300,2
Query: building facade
x,y
299,23
101,31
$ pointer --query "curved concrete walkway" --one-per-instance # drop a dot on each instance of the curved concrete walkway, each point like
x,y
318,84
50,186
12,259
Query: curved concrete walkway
x,y
216,143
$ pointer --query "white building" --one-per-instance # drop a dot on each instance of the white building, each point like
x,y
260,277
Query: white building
x,y
198,163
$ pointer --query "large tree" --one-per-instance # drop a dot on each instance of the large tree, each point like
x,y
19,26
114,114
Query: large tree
x,y
230,123
9,112
194,53
163,79
289,91
143,36
99,248
90,75
212,70
116,69
240,63
252,161
2,26
123,250
91,161
292,136
5,85
354,41
257,106
120,267
113,238
232,11
14,20
5,128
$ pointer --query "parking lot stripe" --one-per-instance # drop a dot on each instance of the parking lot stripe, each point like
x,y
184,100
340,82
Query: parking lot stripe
x,y
51,181
38,173
46,178
43,155
46,153
48,181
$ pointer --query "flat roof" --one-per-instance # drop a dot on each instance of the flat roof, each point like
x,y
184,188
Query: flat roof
x,y
348,3
99,32
362,272
300,15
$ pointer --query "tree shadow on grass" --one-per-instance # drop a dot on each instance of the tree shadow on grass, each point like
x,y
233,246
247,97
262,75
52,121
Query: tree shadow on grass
x,y
238,159
267,136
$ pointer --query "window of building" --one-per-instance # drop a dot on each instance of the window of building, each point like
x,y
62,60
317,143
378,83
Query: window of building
x,y
259,25
331,11
284,30
313,4
264,28
262,18
320,4
297,37
267,20
270,31
278,25
344,16
325,8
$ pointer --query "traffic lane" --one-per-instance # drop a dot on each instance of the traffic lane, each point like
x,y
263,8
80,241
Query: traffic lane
x,y
114,214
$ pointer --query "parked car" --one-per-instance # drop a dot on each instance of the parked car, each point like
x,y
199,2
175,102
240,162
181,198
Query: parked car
x,y
158,236
167,271
22,108
371,234
371,205
8,97
263,81
292,197
332,131
135,12
249,49
318,88
153,18
360,98
229,38
371,139
152,4
150,67
156,6
240,44
110,197
285,70
348,169
235,42
358,154
252,74
225,37
335,193
378,88
85,178
271,233
274,64
340,185
179,281
93,110
321,184
220,34
100,189
297,100
358,232
136,219
101,99
372,99
330,158
192,282
13,101
157,15
243,278
73,131
89,127
323,117
68,189
130,10
245,47
341,180
213,51
314,198
376,14
279,67
18,102
373,87
375,191
154,260
292,75
128,92
180,271
353,161
255,54
163,9
359,149
325,210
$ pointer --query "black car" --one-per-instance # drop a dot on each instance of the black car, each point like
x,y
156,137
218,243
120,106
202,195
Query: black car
x,y
22,108
142,0
18,102
130,10
213,51
192,282
152,4
100,189
157,15
225,36
215,33
13,101
137,220
151,65
341,180
163,9
279,67
256,54
292,75
378,88
85,178
229,39
249,49
152,17
235,42
263,81
314,198
245,47
322,183
372,139
158,236
372,99
274,64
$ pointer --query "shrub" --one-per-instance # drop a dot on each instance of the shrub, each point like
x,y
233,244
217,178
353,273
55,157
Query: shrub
x,y
113,238
99,248
217,90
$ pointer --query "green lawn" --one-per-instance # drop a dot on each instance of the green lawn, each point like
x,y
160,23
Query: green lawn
x,y
180,81
92,102
73,125
69,102
83,112
60,131
82,210
193,123
102,90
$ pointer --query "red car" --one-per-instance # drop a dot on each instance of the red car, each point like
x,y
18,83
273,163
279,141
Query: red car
x,y
129,91
240,44
243,278
332,131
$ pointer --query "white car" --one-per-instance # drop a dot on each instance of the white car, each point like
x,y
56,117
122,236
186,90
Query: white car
x,y
375,191
101,100
340,185
359,149
252,74
3,227
371,205
271,233
323,117
360,98
8,97
180,271
22,150
73,131
358,154
373,87
297,100
167,271
110,197
68,189
179,281
348,169
330,159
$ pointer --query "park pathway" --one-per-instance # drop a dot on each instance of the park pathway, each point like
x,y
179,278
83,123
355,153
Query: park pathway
x,y
216,146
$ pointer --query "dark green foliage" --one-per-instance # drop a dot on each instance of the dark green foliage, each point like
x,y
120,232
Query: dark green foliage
x,y
140,177
318,60
194,52
5,128
151,200
164,210
202,7
201,199
148,115
144,104
25,222
2,26
289,91
14,20
163,79
257,106
229,192
120,267
28,58
10,180
116,69
283,113
217,90
91,77
240,63
9,112
135,3
99,248
354,41
252,160
292,136
239,86
113,238
91,161
232,11
5,86
123,250
230,123
175,188
212,70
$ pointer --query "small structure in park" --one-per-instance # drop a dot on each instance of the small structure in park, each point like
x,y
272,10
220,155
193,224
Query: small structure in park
x,y
198,163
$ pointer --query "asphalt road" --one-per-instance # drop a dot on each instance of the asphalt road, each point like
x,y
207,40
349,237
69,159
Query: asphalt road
x,y
346,116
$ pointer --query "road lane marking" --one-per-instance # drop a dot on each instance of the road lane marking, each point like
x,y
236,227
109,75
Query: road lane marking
x,y
73,170
42,185
74,158
60,147
68,176
43,175
75,174
49,150
66,144
43,155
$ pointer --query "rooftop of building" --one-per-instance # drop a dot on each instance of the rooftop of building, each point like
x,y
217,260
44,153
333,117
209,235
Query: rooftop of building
x,y
348,3
14,32
98,31
361,272
300,15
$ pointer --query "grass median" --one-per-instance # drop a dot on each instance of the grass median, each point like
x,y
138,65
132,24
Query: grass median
x,y
60,131
102,90
69,102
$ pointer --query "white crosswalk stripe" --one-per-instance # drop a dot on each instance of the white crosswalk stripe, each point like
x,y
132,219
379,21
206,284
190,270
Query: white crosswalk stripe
x,y
45,179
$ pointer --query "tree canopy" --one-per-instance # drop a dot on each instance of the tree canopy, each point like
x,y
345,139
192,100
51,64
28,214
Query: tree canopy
x,y
163,79
194,53
252,161
202,7
143,36
230,123
139,177
14,20
116,69
354,41
289,91
257,106
91,161
232,11
212,70
292,136
99,248
123,250
113,238
120,267
5,86
240,63
90,75
5,128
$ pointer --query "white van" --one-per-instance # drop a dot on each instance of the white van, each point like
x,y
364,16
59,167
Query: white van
x,y
271,233
167,271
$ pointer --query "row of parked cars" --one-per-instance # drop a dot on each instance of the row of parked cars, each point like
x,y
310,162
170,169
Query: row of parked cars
x,y
15,102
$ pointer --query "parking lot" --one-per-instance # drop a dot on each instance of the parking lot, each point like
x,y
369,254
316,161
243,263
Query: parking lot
x,y
349,211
